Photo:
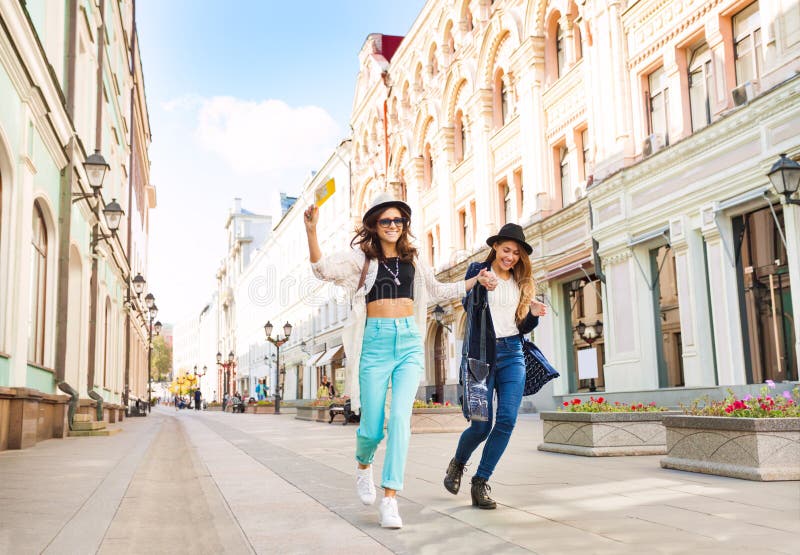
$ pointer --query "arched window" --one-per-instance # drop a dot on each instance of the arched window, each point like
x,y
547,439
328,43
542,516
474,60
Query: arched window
x,y
418,78
427,166
106,346
500,89
36,331
561,51
433,61
449,41
578,42
460,136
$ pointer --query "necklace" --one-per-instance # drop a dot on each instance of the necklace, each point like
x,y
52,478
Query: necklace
x,y
396,272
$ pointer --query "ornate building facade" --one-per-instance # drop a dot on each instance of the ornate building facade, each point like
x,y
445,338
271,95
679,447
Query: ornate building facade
x,y
632,140
71,84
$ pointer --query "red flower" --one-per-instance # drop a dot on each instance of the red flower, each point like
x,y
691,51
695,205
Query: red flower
x,y
600,400
652,403
576,401
729,409
566,404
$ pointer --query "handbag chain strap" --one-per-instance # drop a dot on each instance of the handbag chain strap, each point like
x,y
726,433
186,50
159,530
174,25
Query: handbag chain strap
x,y
483,333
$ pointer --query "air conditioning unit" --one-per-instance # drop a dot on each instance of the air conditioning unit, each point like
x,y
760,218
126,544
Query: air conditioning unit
x,y
744,93
652,144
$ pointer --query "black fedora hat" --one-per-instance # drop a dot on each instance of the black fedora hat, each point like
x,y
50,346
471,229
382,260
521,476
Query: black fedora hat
x,y
513,232
383,201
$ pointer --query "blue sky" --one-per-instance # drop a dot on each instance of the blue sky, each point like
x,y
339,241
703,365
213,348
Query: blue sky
x,y
245,99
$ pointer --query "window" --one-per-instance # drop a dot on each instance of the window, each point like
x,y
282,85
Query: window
x,y
500,99
701,85
473,219
464,228
433,62
431,249
427,167
585,155
747,44
578,42
518,189
505,202
106,335
36,320
563,176
460,136
659,104
561,54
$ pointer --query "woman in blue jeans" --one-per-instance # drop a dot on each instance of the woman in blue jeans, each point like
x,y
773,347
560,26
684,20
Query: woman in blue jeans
x,y
510,311
390,289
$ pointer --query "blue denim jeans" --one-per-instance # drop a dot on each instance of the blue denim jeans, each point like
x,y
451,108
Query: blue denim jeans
x,y
507,379
392,350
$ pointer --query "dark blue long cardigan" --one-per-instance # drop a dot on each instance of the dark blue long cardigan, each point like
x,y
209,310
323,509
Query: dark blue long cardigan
x,y
478,300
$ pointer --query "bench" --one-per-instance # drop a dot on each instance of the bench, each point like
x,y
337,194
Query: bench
x,y
347,414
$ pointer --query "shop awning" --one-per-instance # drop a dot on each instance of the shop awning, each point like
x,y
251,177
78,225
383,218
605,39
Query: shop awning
x,y
312,360
569,268
329,355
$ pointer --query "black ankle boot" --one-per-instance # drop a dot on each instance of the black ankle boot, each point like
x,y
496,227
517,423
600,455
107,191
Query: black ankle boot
x,y
480,494
452,479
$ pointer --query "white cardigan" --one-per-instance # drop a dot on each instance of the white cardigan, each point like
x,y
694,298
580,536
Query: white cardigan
x,y
344,269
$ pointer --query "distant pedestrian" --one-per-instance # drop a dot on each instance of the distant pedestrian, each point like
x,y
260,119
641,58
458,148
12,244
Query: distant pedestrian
x,y
383,338
508,310
197,396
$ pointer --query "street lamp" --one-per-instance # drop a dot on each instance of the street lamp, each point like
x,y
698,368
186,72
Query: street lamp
x,y
96,168
227,368
277,341
590,334
153,325
198,376
438,314
785,177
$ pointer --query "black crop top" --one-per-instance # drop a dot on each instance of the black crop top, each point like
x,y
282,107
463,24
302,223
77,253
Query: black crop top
x,y
385,286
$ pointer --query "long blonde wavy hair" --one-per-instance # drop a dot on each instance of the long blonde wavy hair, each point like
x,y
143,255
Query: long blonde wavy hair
x,y
523,275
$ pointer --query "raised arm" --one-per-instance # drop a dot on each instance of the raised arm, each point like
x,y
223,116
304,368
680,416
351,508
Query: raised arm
x,y
311,217
342,268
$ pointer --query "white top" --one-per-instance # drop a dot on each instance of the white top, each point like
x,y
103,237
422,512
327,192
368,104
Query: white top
x,y
344,269
503,303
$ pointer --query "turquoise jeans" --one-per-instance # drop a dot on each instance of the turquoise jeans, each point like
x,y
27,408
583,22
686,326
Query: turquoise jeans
x,y
391,351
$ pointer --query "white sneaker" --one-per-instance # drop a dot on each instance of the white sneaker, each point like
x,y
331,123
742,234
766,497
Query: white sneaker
x,y
365,486
390,516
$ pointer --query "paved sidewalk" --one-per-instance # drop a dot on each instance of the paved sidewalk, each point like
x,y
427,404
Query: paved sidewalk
x,y
212,482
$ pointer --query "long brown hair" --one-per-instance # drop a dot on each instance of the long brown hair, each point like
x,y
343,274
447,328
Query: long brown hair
x,y
523,275
367,237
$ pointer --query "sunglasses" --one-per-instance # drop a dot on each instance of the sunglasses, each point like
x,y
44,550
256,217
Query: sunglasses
x,y
386,222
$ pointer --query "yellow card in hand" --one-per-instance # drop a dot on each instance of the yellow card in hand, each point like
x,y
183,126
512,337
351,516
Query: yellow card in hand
x,y
324,192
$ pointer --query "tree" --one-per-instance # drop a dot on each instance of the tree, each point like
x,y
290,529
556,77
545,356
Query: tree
x,y
162,359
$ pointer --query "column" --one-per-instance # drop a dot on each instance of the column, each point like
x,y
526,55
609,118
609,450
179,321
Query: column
x,y
696,338
480,109
725,314
791,218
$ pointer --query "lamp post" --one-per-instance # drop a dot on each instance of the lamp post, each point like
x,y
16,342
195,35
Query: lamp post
x,y
438,314
785,178
198,378
590,333
277,341
153,325
227,368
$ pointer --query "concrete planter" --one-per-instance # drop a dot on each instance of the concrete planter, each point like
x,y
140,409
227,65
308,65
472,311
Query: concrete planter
x,y
604,434
217,408
260,409
313,414
763,449
28,416
429,421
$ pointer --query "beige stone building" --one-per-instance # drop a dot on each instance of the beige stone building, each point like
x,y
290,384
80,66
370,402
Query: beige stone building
x,y
632,140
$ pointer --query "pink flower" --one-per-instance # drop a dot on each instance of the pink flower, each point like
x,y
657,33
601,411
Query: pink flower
x,y
747,397
787,395
770,383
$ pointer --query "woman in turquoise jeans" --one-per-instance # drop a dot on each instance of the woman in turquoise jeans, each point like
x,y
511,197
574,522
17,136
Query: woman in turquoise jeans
x,y
390,288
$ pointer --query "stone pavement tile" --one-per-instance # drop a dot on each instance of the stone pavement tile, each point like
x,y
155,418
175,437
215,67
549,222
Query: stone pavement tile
x,y
171,493
62,487
425,531
275,515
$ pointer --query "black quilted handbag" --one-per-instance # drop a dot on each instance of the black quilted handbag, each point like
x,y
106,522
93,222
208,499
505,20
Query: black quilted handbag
x,y
538,370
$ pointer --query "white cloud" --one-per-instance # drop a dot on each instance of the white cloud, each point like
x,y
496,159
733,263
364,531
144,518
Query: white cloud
x,y
259,138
